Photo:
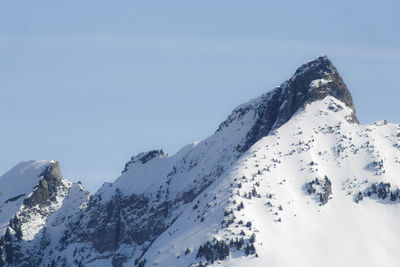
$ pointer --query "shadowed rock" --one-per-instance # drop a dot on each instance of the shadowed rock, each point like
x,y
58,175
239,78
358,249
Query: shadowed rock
x,y
47,188
313,81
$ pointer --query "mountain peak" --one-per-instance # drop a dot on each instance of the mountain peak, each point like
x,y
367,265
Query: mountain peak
x,y
291,158
312,81
318,78
51,178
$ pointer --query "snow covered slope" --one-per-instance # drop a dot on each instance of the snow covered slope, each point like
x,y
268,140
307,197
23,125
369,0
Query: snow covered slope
x,y
38,217
294,198
289,178
15,185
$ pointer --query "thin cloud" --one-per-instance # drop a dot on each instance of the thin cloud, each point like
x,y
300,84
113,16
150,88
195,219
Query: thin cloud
x,y
212,45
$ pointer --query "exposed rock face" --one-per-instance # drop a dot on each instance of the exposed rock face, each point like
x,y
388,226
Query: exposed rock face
x,y
47,188
53,201
124,218
313,81
136,220
121,220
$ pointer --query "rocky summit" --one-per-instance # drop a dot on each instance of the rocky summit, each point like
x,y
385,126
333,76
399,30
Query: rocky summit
x,y
288,179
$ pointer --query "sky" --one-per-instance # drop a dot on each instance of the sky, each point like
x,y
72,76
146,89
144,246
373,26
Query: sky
x,y
92,83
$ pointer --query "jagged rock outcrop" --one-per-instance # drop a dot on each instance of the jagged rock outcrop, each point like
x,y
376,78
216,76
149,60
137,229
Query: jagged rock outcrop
x,y
212,184
313,81
47,187
118,217
52,203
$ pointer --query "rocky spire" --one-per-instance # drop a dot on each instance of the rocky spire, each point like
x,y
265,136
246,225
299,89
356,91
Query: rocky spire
x,y
313,81
47,187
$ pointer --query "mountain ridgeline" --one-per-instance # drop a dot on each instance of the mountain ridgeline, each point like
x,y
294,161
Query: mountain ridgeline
x,y
288,179
311,82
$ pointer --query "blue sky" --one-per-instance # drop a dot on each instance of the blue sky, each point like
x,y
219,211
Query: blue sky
x,y
91,83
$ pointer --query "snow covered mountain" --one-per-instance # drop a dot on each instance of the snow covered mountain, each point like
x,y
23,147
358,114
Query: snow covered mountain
x,y
289,178
36,202
15,185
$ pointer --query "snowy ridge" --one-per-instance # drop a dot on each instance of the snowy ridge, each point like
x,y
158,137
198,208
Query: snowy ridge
x,y
269,180
42,215
15,185
289,178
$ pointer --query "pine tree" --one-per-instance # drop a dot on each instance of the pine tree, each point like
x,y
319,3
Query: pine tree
x,y
18,233
7,236
9,251
1,256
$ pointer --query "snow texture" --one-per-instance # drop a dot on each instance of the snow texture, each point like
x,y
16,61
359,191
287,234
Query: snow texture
x,y
314,189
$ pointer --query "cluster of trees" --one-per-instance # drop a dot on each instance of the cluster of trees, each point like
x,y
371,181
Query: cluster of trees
x,y
9,247
249,249
15,224
229,218
1,251
217,250
321,187
252,193
310,186
237,243
380,190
